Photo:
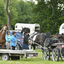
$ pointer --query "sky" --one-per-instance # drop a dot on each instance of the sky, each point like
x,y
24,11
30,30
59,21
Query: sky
x,y
33,1
62,5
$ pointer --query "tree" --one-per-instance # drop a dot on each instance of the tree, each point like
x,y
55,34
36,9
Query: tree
x,y
24,10
3,16
48,15
7,10
14,13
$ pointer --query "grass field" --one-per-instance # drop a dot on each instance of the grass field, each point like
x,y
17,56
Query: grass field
x,y
37,60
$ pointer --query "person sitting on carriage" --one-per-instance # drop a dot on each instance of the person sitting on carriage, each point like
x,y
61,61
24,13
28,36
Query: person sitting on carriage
x,y
26,41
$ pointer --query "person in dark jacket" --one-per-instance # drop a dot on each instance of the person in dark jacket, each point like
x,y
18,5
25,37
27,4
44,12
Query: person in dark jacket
x,y
26,41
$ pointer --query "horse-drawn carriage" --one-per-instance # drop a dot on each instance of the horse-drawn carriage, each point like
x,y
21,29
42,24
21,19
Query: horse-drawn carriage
x,y
54,50
53,47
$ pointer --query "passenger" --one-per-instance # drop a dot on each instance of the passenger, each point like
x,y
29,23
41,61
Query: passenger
x,y
13,41
8,40
26,41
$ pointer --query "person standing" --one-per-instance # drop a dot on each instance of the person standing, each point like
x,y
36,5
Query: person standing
x,y
26,41
8,40
13,41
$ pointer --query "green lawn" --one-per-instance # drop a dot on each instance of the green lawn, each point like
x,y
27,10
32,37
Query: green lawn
x,y
37,60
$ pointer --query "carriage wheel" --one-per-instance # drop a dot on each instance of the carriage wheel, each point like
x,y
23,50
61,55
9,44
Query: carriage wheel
x,y
62,57
55,55
46,54
62,54
5,57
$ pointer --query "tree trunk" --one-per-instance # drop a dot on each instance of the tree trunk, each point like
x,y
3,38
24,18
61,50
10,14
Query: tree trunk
x,y
7,10
8,23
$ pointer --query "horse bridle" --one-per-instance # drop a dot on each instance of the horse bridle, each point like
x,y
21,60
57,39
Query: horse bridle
x,y
4,31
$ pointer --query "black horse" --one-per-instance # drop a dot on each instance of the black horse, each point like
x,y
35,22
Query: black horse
x,y
40,38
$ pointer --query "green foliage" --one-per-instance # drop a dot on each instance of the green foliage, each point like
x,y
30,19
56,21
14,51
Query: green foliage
x,y
20,11
13,13
25,11
48,15
3,17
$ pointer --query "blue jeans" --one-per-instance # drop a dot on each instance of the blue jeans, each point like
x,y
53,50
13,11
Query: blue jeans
x,y
25,46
